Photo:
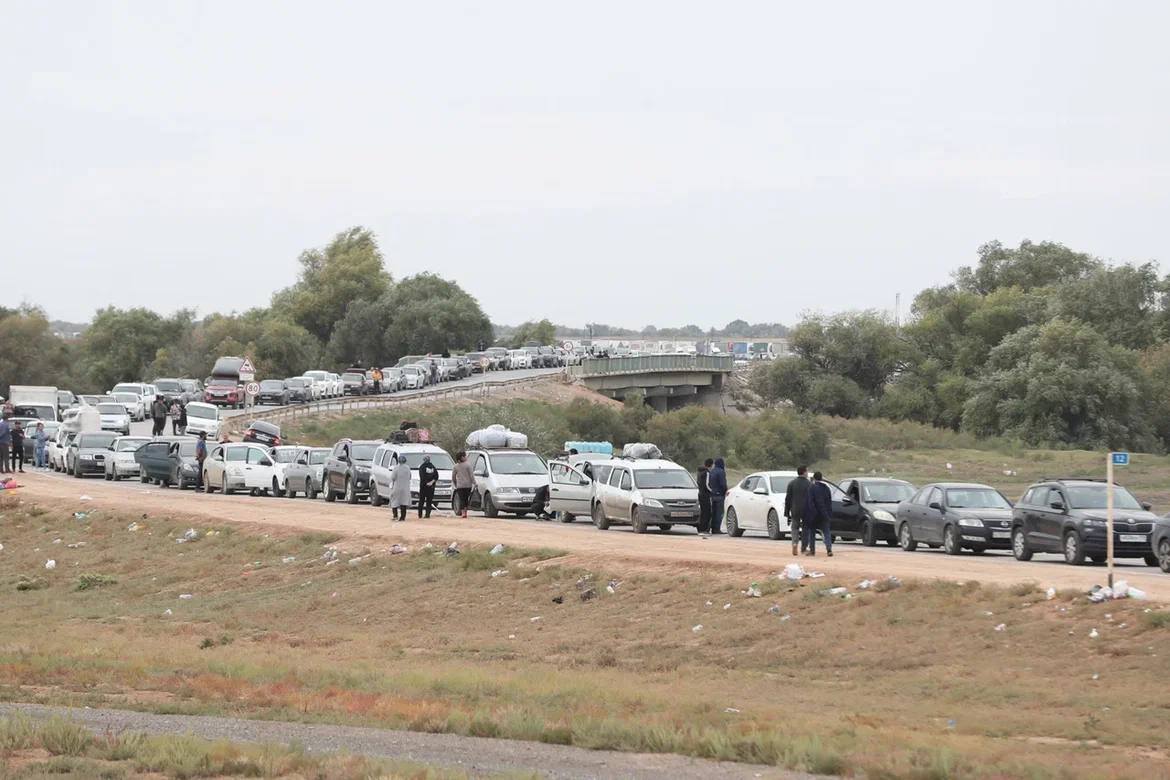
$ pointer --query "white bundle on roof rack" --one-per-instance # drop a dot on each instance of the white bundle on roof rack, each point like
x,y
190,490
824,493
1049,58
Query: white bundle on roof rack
x,y
641,451
497,437
517,440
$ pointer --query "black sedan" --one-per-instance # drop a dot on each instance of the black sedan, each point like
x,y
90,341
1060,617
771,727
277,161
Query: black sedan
x,y
273,391
264,433
958,515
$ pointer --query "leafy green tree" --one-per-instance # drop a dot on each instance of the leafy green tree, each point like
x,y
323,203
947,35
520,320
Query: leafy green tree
x,y
433,315
958,329
349,268
780,439
1122,303
1060,383
1028,267
29,352
691,434
834,394
776,382
864,347
543,333
359,337
285,349
120,344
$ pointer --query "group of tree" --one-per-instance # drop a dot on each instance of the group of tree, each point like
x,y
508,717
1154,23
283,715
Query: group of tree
x,y
733,329
1037,343
344,309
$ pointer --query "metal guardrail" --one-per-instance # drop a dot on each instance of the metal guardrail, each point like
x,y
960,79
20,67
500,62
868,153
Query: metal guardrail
x,y
653,363
481,389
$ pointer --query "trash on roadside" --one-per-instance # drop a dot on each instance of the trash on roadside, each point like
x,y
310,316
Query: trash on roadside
x,y
72,546
710,603
428,546
186,596
499,573
837,591
1050,594
727,605
815,575
785,617
288,559
1136,593
753,591
131,528
452,550
168,612
585,587
535,619
398,549
697,629
1,548
793,572
190,535
85,498
1094,634
357,559
50,564
731,711
866,584
774,609
330,554
1096,677
1001,627
511,636
588,594
497,550
558,599
57,541
80,515
612,586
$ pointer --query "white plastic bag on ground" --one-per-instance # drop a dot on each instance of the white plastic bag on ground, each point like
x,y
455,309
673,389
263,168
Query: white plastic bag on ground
x,y
497,550
793,572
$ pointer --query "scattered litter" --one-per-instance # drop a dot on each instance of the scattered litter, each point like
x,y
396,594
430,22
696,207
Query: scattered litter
x,y
731,711
73,546
588,594
534,619
815,575
710,603
612,586
866,584
168,612
1001,627
837,591
452,550
988,613
1096,677
774,609
793,572
56,541
80,515
697,629
85,498
1135,593
1050,594
499,572
50,564
288,559
330,555
949,467
585,588
356,560
785,617
428,546
558,599
951,723
190,535
497,550
753,591
398,549
186,596
333,595
511,636
727,605
1,548
1094,634
1099,594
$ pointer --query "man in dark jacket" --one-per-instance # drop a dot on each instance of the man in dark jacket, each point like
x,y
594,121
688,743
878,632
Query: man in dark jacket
x,y
717,484
428,477
818,515
158,413
794,501
704,496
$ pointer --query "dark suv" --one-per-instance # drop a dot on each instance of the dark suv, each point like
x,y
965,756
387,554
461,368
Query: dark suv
x,y
863,508
346,472
1161,543
1067,516
354,382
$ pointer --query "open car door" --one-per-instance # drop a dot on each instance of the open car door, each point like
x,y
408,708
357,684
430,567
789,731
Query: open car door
x,y
570,492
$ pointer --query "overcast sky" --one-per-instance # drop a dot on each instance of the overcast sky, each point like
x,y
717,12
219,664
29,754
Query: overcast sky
x,y
617,162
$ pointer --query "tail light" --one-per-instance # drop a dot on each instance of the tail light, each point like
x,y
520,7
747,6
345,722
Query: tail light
x,y
275,441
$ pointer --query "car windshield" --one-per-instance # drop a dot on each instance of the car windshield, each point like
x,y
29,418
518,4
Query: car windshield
x,y
111,409
222,381
285,455
168,385
317,457
1094,497
779,484
204,412
352,377
517,463
126,398
36,411
296,382
272,384
95,440
664,479
392,372
187,448
976,498
439,460
886,492
127,388
362,451
129,445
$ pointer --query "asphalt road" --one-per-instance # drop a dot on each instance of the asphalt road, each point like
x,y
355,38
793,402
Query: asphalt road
x,y
144,428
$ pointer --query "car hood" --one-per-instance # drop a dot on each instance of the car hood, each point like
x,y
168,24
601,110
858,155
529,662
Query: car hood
x,y
668,494
521,480
1121,515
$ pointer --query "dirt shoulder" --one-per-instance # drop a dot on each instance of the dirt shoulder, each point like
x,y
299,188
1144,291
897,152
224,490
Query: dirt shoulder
x,y
741,559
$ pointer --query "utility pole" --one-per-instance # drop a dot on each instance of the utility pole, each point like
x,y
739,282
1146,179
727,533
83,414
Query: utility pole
x,y
897,310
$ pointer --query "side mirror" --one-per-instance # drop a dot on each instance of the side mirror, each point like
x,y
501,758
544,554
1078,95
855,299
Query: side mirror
x,y
584,481
1147,506
1057,505
302,462
936,505
266,462
846,501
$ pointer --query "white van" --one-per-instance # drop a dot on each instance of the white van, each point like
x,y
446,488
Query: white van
x,y
643,493
203,418
413,454
507,480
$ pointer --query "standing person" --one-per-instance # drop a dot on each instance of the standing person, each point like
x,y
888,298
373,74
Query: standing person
x,y
717,484
200,456
399,488
182,419
428,477
434,370
704,496
40,446
5,442
464,481
173,413
158,413
17,446
794,500
818,515
377,374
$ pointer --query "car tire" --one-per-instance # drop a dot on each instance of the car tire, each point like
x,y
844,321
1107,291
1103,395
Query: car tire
x,y
566,517
732,519
665,527
1098,558
637,522
892,542
979,550
109,477
223,485
1073,548
1164,555
952,541
1020,548
207,488
773,525
327,489
309,492
933,545
77,469
868,534
143,478
489,506
375,497
276,491
1151,560
182,483
599,518
906,538
350,491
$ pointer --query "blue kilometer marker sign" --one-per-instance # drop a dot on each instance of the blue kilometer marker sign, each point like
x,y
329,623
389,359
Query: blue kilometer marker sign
x,y
1120,458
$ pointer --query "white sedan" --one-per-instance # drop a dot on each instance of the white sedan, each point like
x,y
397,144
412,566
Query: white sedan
x,y
120,463
232,467
757,504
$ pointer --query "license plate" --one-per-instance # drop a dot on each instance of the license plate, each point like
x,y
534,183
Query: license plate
x,y
1133,537
680,514
1001,534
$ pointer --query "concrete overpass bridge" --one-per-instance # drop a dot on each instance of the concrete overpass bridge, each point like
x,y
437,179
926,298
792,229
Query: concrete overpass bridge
x,y
667,381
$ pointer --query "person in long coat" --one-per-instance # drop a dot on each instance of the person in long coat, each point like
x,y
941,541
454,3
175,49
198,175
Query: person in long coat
x,y
399,489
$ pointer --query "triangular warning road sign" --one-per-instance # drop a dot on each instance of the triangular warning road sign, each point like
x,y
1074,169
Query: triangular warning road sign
x,y
246,367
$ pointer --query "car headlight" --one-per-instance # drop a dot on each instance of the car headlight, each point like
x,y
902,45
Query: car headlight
x,y
190,468
86,456
1094,522
971,522
653,503
883,516
508,490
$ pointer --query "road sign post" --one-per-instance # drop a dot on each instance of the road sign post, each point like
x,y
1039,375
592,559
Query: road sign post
x,y
1114,459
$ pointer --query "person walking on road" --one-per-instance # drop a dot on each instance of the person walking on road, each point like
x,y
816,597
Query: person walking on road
x,y
428,477
717,484
377,376
158,413
17,446
704,496
182,419
399,489
818,515
200,456
5,443
464,481
174,413
40,446
794,501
